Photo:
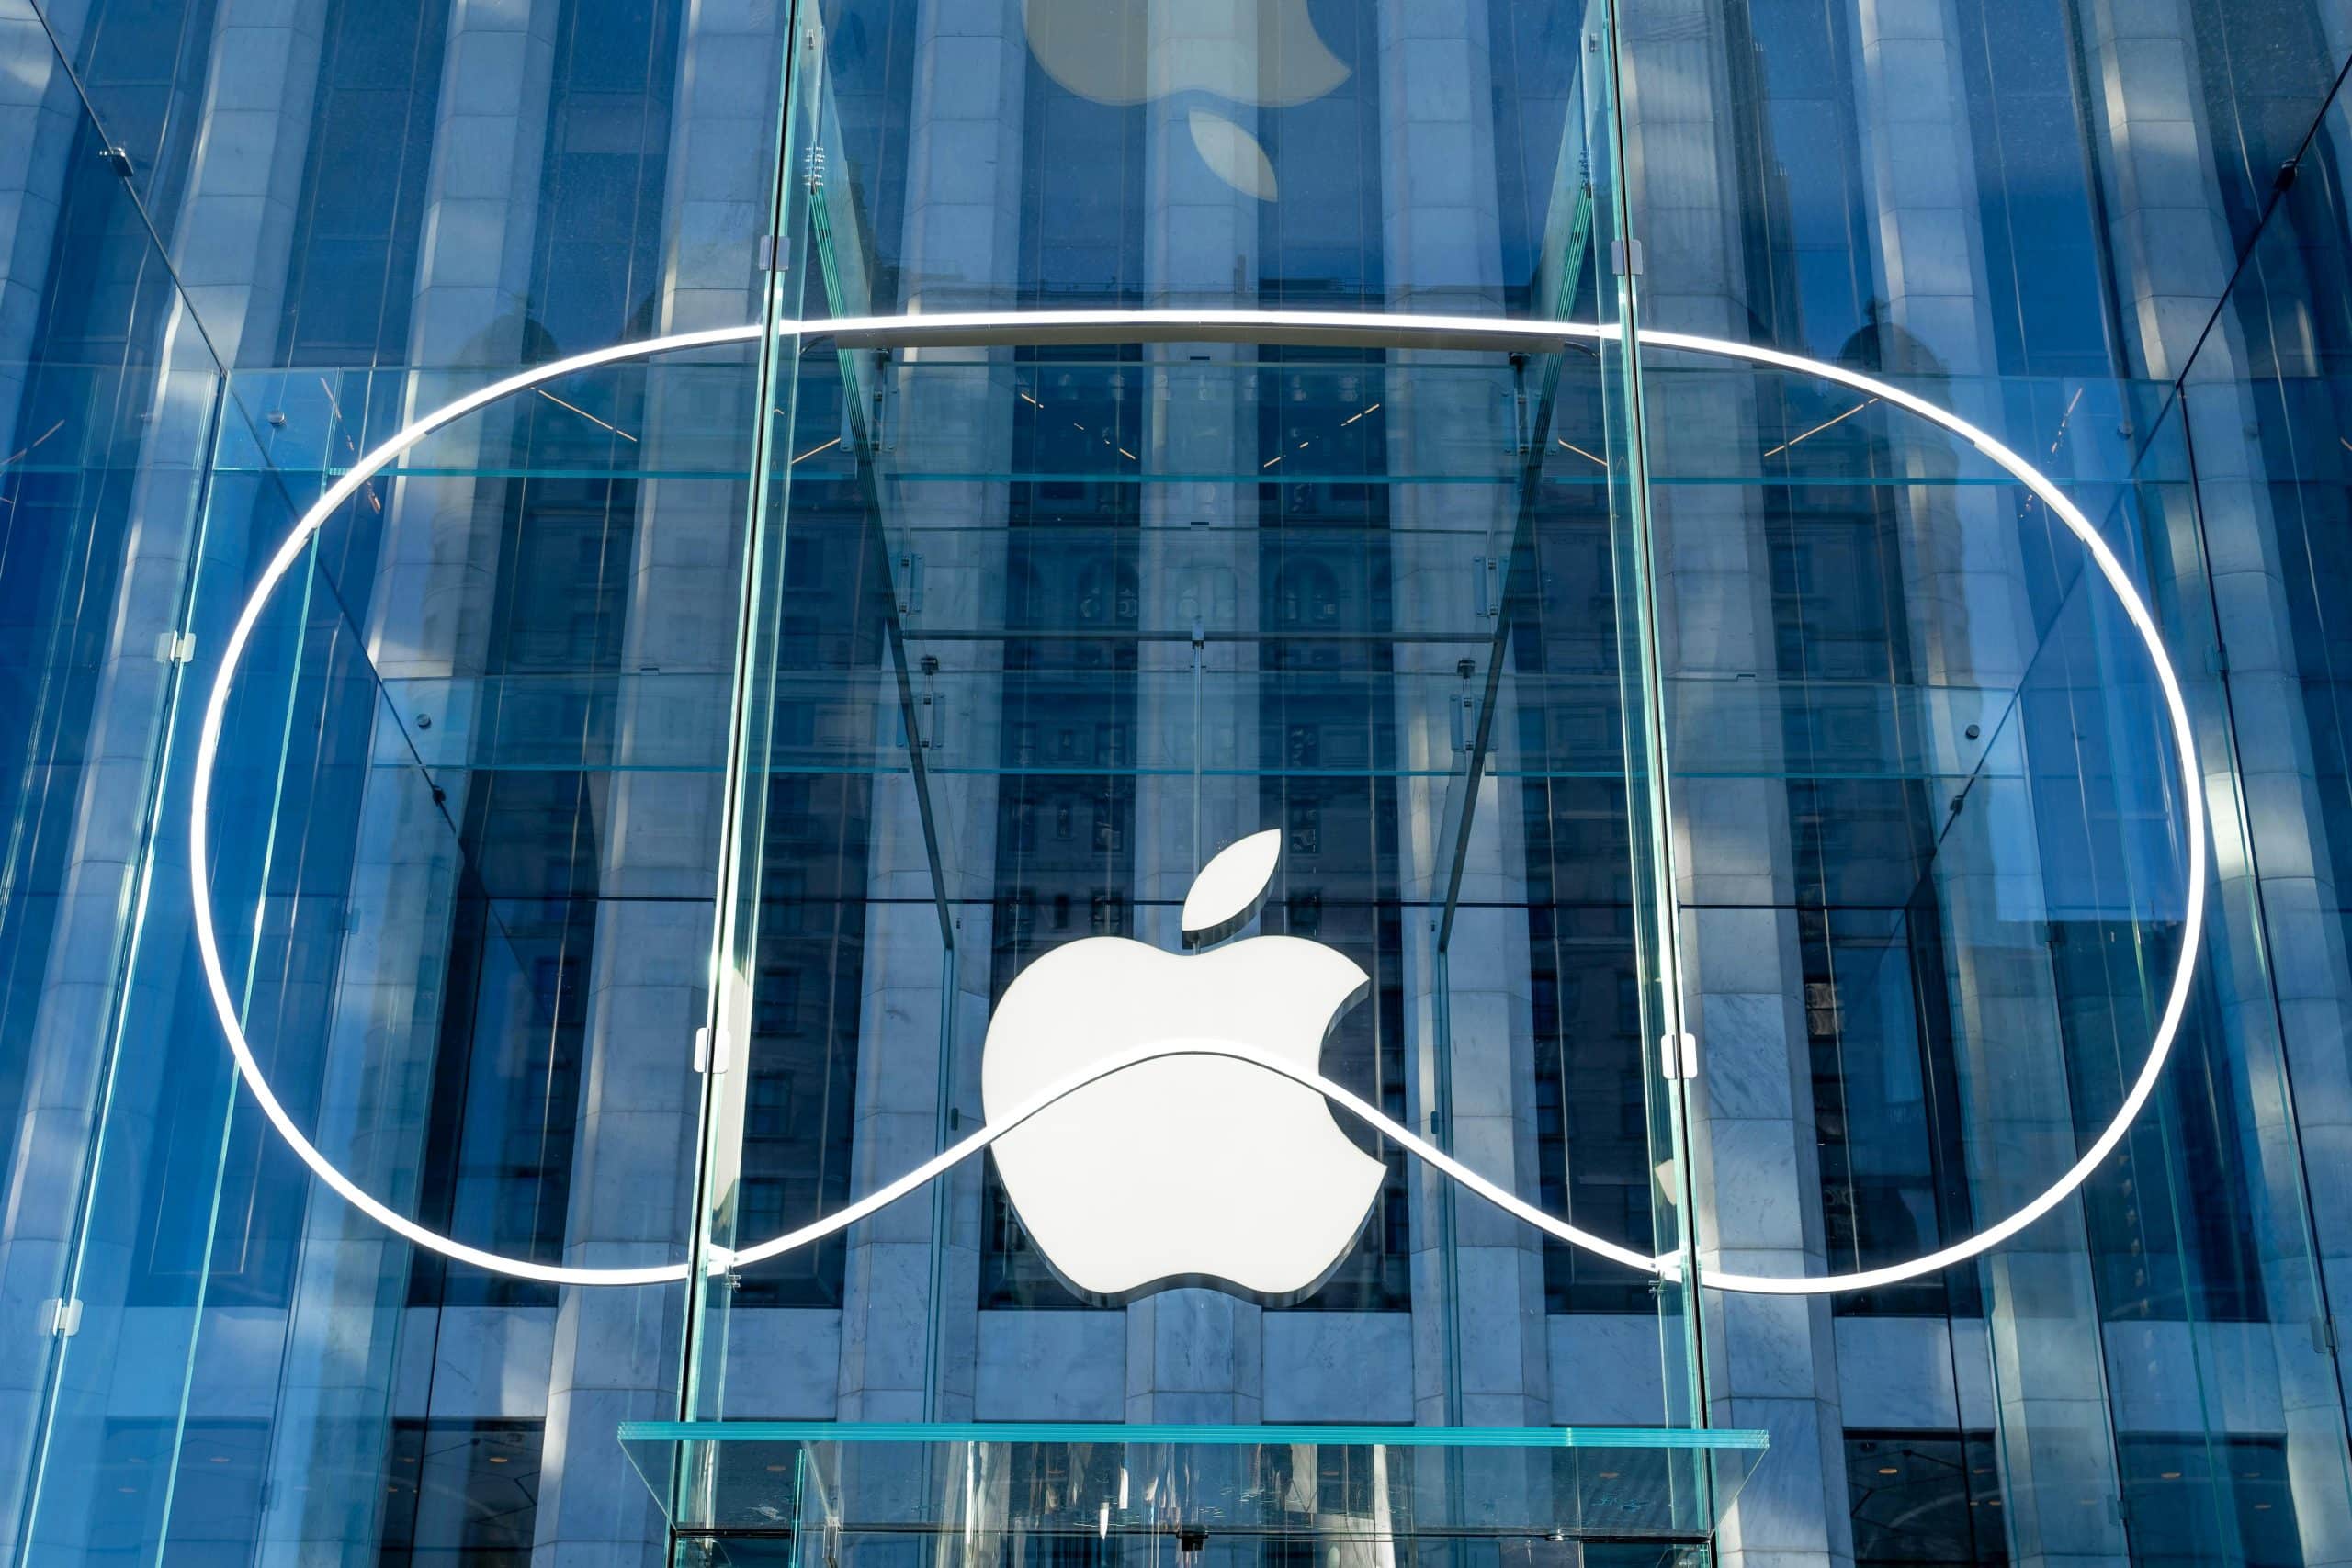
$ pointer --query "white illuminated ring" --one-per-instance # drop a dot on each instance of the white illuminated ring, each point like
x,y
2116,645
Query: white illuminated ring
x,y
1034,327
1232,1050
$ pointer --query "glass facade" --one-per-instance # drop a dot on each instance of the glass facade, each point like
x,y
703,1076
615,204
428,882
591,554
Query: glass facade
x,y
506,843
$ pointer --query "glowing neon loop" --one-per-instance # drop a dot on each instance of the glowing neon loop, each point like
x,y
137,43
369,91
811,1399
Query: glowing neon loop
x,y
1004,327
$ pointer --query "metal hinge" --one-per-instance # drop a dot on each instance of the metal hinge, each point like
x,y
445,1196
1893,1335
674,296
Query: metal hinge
x,y
1625,257
1465,721
708,1060
771,254
1487,571
1678,1055
174,648
61,1319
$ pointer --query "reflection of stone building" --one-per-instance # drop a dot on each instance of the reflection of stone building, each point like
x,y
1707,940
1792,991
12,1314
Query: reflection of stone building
x,y
1146,598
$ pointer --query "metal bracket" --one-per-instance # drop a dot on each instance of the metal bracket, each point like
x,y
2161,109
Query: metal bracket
x,y
1625,257
1678,1055
1465,721
771,254
174,648
59,1319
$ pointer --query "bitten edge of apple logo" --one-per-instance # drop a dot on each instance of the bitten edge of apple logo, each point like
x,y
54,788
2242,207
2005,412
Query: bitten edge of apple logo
x,y
1185,1170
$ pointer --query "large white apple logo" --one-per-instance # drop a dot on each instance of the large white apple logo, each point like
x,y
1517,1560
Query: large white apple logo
x,y
1184,1169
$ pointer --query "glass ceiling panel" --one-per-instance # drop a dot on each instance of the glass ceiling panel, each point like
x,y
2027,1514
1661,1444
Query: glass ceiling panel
x,y
845,1482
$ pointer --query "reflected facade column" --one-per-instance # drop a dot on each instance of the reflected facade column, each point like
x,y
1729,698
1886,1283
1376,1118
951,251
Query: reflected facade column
x,y
618,1352
2279,935
1770,1362
1480,1350
49,1143
910,1295
96,802
1972,645
230,239
37,97
429,622
1196,1355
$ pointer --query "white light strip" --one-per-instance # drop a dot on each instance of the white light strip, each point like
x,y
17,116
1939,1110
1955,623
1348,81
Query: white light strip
x,y
2192,791
208,745
1394,331
1232,1050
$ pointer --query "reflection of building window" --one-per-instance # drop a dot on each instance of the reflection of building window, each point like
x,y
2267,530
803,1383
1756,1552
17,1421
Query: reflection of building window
x,y
1093,595
1337,871
2200,1497
1925,1500
213,1471
1309,591
1303,913
776,1001
1886,1101
460,1492
1594,1139
801,1059
2172,1236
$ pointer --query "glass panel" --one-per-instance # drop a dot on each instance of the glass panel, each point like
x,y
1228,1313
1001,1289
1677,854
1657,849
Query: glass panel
x,y
1915,737
1037,621
857,1488
1937,847
420,884
1943,713
1041,621
1925,1499
460,1492
108,397
2222,1233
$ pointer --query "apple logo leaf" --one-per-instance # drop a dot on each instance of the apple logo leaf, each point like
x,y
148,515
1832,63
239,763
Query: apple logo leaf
x,y
1233,155
1226,896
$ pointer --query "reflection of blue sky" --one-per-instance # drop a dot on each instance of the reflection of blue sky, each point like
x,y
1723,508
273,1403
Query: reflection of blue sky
x,y
1254,53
